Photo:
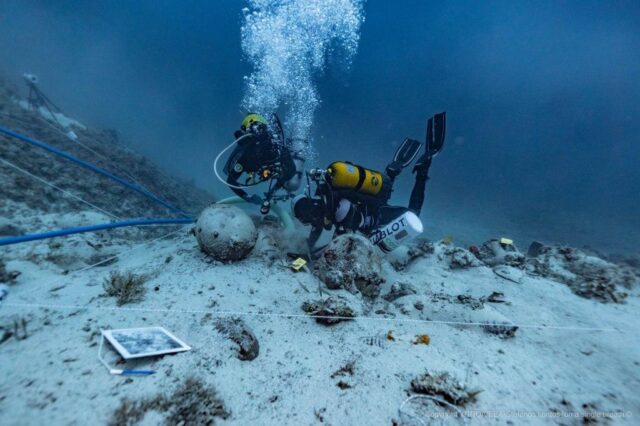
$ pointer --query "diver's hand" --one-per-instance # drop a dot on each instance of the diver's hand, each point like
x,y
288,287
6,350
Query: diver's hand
x,y
254,199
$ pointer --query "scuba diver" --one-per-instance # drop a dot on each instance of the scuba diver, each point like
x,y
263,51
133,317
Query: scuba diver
x,y
352,198
264,155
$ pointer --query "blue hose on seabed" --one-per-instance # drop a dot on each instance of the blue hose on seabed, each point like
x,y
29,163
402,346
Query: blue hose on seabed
x,y
80,229
93,168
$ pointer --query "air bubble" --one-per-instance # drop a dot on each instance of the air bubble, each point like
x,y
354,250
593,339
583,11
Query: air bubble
x,y
287,42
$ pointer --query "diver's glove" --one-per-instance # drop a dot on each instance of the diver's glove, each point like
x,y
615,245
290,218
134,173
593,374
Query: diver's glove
x,y
254,199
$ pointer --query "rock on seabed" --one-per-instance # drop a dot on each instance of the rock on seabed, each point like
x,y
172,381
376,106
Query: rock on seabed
x,y
225,232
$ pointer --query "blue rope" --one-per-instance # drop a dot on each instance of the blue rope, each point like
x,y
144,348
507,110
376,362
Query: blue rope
x,y
93,168
80,229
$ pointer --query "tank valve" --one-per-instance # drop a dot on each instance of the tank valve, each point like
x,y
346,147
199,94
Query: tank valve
x,y
317,174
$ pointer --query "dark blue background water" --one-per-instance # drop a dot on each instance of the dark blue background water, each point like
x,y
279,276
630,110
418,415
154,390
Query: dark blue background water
x,y
543,99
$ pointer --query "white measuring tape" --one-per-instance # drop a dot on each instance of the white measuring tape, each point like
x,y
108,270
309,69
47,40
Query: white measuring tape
x,y
298,316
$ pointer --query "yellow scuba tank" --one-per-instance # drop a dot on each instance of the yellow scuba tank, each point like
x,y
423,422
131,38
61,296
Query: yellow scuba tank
x,y
351,177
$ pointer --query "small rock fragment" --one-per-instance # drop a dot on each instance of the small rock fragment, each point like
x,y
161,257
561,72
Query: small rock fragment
x,y
502,330
495,297
236,330
442,384
399,290
329,311
457,257
347,369
471,301
404,255
343,385
493,253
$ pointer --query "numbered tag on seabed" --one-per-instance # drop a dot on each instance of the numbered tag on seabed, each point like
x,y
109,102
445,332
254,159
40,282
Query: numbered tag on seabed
x,y
298,264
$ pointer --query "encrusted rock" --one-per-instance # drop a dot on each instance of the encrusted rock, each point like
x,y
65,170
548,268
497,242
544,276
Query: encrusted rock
x,y
459,258
587,275
445,386
351,262
502,330
493,253
236,330
225,232
329,311
471,301
399,290
404,255
495,297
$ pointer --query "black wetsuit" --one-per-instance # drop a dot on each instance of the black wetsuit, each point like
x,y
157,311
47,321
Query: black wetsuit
x,y
364,216
252,154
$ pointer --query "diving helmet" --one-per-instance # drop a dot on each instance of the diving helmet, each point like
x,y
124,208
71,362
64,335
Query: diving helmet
x,y
252,119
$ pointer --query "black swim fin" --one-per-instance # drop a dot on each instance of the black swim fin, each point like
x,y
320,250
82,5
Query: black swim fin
x,y
435,141
405,154
435,134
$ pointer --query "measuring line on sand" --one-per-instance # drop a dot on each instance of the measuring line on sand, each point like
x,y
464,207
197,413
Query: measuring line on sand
x,y
273,315
299,316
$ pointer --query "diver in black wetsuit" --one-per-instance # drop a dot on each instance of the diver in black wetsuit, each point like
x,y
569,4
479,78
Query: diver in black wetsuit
x,y
352,198
262,153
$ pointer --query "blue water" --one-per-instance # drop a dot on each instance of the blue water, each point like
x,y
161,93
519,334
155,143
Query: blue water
x,y
543,98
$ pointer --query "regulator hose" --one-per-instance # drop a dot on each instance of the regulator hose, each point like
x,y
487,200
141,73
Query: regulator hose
x,y
215,163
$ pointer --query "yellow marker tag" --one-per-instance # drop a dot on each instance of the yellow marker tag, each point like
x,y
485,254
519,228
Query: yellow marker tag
x,y
448,239
506,241
298,264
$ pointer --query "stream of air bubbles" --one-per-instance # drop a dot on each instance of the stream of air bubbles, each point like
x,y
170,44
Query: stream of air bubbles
x,y
288,42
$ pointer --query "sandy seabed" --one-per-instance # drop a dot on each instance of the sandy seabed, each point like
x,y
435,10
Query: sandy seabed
x,y
570,358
